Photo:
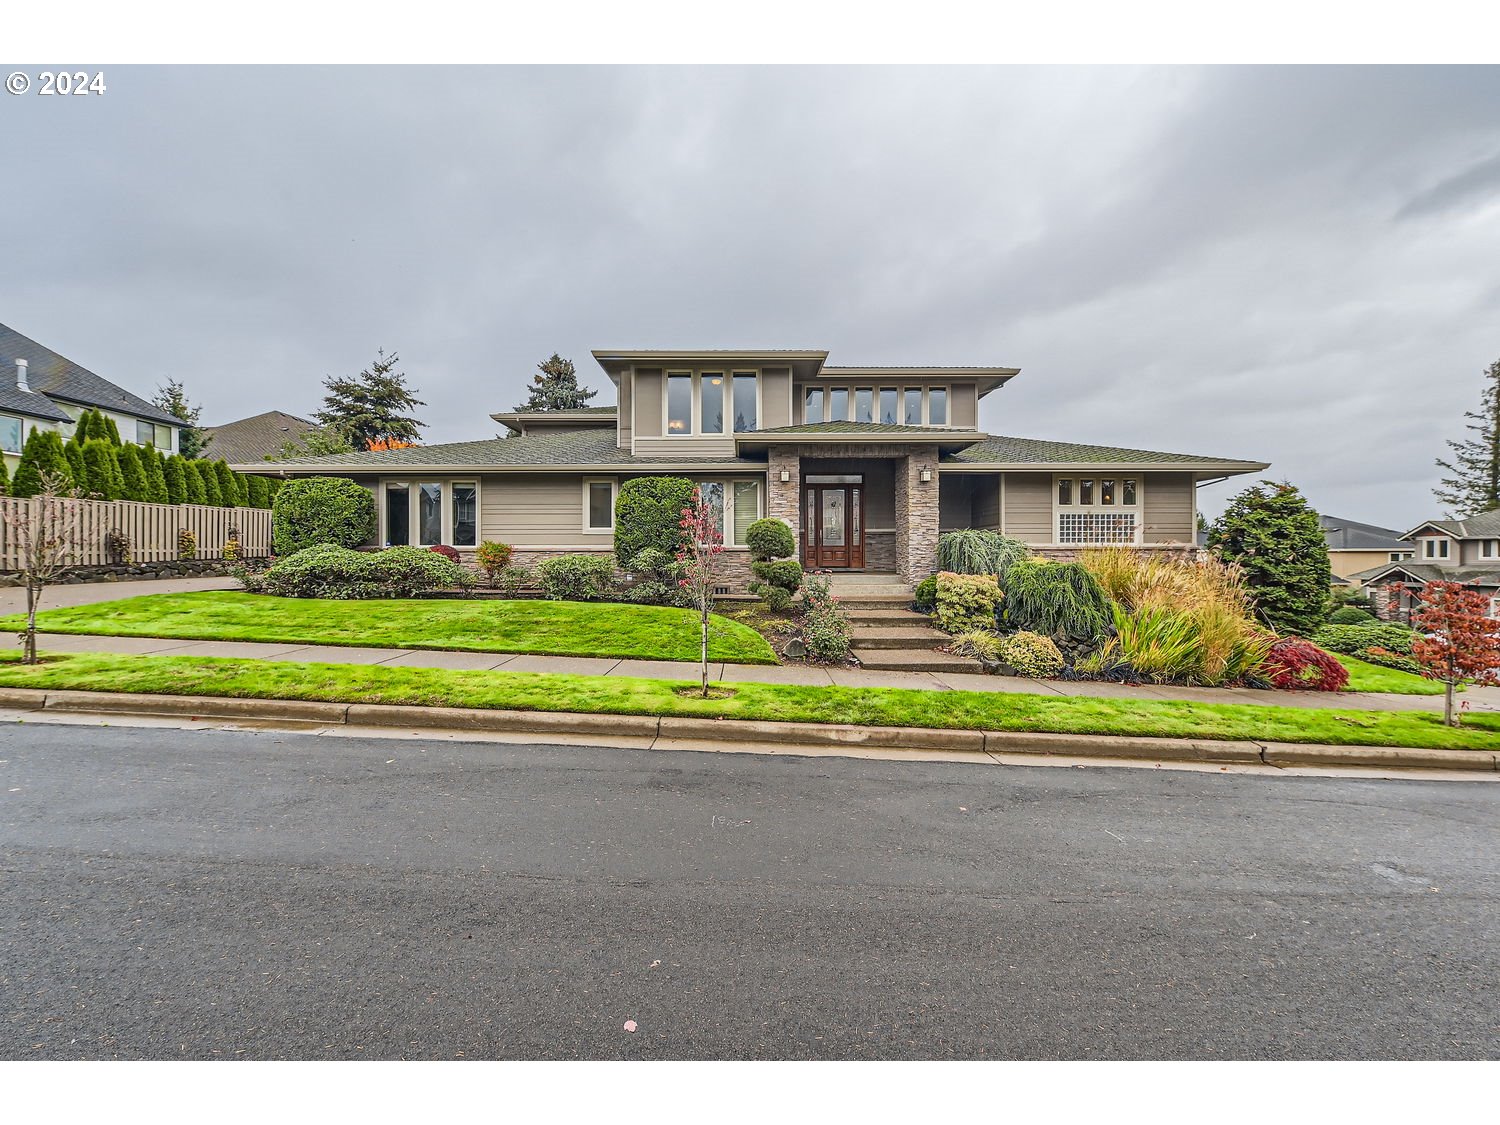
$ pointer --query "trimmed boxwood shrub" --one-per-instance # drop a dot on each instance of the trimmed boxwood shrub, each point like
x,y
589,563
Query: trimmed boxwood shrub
x,y
966,601
321,510
1297,665
770,539
776,581
1351,615
926,593
656,579
576,578
337,573
648,514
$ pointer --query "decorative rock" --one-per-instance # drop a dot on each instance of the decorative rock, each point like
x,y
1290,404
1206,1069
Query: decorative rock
x,y
795,649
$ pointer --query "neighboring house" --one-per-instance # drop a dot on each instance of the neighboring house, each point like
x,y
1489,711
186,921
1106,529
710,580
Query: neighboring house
x,y
1465,551
866,464
257,438
1354,547
41,389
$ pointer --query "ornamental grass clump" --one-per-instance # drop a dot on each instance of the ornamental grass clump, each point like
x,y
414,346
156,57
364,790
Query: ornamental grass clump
x,y
977,644
966,601
1056,599
975,551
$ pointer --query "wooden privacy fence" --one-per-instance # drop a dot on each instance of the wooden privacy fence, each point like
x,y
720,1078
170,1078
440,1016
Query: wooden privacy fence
x,y
151,529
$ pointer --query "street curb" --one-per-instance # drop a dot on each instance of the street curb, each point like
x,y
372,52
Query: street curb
x,y
742,731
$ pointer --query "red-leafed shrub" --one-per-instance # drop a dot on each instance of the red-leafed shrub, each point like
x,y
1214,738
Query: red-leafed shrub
x,y
446,551
1297,665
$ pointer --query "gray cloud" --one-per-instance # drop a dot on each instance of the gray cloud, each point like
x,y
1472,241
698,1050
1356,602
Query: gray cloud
x,y
1214,260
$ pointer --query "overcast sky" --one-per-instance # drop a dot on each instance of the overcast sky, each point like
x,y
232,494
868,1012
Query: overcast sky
x,y
1299,266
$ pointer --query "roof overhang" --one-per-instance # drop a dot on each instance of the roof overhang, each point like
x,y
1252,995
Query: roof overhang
x,y
943,439
616,361
1197,468
986,379
289,469
520,420
1429,525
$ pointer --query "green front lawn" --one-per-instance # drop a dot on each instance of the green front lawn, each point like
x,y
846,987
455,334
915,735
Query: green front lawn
x,y
536,627
1372,677
963,710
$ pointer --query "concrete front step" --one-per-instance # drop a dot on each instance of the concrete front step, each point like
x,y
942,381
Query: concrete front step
x,y
884,616
913,660
874,601
895,636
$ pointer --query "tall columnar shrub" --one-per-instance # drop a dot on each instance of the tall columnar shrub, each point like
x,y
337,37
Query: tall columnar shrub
x,y
76,467
192,481
111,431
322,510
132,473
101,463
1056,600
258,494
648,514
156,476
42,458
212,493
1270,531
229,487
4,478
777,576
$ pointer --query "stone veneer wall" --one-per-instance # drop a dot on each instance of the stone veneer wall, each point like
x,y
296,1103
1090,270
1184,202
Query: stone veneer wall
x,y
916,515
784,501
145,572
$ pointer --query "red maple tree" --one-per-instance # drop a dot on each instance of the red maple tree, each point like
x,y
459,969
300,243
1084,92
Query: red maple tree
x,y
1459,640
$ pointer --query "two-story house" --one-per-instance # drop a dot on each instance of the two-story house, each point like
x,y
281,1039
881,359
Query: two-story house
x,y
40,389
1354,547
1465,551
866,464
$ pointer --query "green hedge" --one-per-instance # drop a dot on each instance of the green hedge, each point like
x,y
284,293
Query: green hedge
x,y
648,515
322,510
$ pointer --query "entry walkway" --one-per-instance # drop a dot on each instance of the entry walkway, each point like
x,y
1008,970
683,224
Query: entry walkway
x,y
1477,699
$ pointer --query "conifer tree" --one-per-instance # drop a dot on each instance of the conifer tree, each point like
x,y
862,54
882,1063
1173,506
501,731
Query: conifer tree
x,y
112,430
1270,531
82,428
176,483
259,494
172,398
1473,485
132,473
212,494
156,475
555,387
192,481
73,450
229,489
101,465
42,455
372,406
4,478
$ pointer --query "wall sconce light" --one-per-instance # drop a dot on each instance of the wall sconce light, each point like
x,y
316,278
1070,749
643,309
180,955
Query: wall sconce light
x,y
926,476
786,476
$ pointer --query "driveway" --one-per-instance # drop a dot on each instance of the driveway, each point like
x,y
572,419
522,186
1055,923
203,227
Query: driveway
x,y
13,598
172,894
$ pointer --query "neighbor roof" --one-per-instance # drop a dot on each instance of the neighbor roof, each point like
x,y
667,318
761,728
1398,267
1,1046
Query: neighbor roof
x,y
1480,575
53,376
258,437
1020,453
559,449
1485,525
1351,535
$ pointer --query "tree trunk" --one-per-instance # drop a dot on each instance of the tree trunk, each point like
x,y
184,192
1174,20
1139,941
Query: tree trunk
x,y
703,653
28,647
1448,704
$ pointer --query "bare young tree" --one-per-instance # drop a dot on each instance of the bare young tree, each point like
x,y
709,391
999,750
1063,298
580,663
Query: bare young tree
x,y
702,544
46,531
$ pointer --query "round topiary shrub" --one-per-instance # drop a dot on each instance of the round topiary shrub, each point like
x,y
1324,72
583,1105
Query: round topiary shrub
x,y
1297,665
648,514
1351,615
770,539
776,581
405,572
322,510
1030,654
576,578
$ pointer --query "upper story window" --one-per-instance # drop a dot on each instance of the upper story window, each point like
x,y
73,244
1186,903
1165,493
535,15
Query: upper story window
x,y
812,407
156,436
10,434
1489,548
710,403
1097,510
679,403
838,404
864,404
888,406
1435,548
937,406
1399,556
746,403
913,412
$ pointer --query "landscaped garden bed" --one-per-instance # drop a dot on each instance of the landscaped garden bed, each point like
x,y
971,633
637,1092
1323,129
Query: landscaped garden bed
x,y
953,710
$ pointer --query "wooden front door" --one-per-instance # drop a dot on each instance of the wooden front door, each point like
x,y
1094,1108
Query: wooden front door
x,y
833,521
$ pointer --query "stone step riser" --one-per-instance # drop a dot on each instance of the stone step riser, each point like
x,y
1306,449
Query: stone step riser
x,y
885,601
901,661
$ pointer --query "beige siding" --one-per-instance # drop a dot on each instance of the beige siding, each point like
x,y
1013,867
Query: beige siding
x,y
775,398
963,406
668,448
648,403
1169,508
1345,563
1027,509
528,510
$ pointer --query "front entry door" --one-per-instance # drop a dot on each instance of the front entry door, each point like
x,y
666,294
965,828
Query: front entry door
x,y
833,527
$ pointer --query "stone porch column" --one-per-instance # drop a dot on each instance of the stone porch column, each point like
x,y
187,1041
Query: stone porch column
x,y
784,501
916,515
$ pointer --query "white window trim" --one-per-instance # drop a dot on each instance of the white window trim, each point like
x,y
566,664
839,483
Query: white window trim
x,y
1430,546
413,486
614,496
1138,509
20,429
1489,548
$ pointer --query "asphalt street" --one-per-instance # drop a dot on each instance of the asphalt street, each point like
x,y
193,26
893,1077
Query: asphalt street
x,y
179,894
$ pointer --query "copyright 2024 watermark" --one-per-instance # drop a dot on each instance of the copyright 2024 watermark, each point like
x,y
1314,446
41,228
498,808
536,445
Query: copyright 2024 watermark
x,y
62,83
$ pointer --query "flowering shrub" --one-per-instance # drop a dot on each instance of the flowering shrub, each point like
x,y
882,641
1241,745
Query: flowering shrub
x,y
966,601
576,578
1297,665
1030,654
825,625
449,553
492,558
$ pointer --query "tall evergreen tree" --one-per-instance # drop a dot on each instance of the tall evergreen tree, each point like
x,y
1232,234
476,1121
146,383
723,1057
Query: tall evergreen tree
x,y
1473,485
191,440
42,454
156,476
83,428
372,406
259,494
1276,538
555,387
229,489
74,452
192,480
132,473
175,480
110,429
213,495
4,478
101,464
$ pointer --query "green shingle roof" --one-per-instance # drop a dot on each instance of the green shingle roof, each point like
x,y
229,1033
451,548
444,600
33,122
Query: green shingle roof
x,y
1034,451
858,428
543,449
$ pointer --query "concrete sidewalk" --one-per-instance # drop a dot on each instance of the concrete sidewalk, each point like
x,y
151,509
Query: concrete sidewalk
x,y
13,598
1478,699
